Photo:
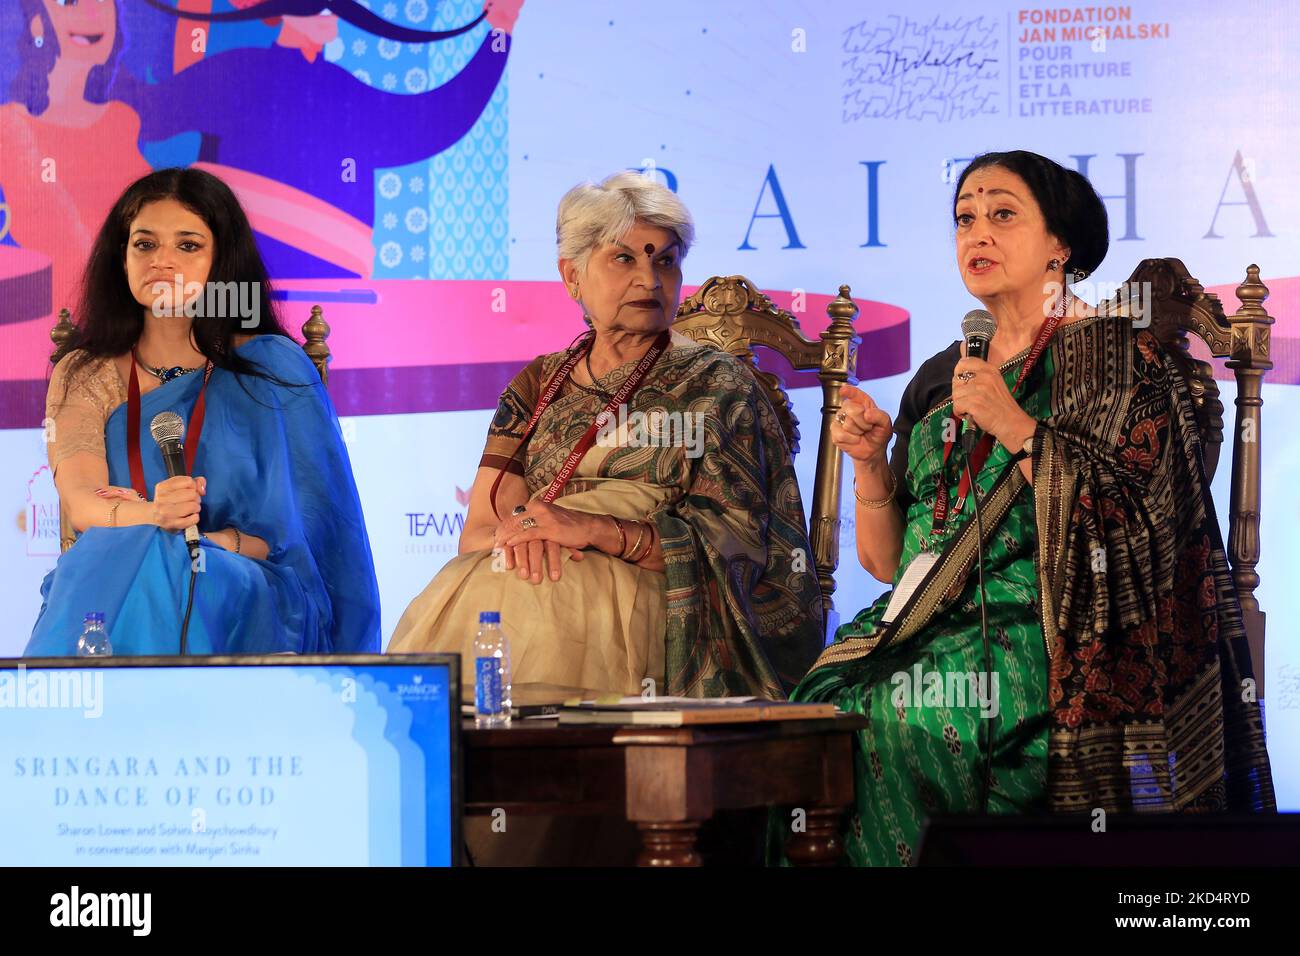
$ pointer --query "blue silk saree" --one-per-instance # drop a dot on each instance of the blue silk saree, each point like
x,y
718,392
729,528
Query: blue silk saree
x,y
276,467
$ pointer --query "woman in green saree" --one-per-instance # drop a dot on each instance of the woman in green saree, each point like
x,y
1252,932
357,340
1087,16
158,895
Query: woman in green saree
x,y
670,557
1112,672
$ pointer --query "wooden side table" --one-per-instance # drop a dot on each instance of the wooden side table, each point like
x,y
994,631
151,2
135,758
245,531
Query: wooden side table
x,y
670,780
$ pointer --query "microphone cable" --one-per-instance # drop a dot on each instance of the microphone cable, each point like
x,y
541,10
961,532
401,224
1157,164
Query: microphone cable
x,y
984,638
189,605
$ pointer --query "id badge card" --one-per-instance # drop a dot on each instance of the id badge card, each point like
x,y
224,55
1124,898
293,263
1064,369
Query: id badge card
x,y
916,571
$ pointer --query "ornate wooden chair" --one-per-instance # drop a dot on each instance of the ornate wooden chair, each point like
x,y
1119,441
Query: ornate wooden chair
x,y
732,314
1177,305
314,332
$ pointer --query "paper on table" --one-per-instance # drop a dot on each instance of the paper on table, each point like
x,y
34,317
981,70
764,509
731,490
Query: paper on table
x,y
916,571
614,700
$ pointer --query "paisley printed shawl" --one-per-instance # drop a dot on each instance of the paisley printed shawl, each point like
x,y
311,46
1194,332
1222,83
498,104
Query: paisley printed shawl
x,y
744,609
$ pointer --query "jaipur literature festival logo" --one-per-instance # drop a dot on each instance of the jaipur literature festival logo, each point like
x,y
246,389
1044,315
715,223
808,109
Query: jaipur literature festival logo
x,y
39,519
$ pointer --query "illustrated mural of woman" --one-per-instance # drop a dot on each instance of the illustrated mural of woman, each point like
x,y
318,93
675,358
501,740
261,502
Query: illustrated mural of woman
x,y
58,129
280,124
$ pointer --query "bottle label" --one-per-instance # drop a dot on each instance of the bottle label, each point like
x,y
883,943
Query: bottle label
x,y
487,685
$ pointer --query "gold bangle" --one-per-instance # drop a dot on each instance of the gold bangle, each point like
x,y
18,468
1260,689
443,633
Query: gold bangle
x,y
636,557
112,514
881,502
649,544
622,535
628,556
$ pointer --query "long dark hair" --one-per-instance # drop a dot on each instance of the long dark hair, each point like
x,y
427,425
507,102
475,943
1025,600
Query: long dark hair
x,y
109,320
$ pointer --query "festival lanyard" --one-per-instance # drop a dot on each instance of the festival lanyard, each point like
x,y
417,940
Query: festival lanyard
x,y
584,444
985,446
192,432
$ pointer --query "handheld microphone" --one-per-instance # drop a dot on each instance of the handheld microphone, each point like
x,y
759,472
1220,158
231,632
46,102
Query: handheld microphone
x,y
167,429
978,327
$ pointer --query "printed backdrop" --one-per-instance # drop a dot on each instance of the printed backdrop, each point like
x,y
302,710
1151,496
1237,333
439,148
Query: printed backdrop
x,y
403,172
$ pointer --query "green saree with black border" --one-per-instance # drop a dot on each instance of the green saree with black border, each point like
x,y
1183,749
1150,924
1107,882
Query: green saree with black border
x,y
1118,672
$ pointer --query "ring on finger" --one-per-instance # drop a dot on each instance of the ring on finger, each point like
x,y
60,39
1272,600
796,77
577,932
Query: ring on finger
x,y
840,417
529,522
965,376
519,509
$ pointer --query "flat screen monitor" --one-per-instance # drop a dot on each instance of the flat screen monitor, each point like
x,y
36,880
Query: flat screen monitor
x,y
230,761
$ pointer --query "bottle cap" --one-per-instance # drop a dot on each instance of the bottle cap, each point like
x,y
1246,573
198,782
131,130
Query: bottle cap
x,y
489,617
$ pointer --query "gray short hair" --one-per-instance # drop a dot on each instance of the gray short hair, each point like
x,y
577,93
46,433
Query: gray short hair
x,y
593,215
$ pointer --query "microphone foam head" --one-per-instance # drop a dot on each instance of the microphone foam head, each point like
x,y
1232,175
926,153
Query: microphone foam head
x,y
166,426
980,324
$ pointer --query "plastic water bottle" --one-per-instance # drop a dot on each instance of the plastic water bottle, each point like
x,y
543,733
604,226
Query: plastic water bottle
x,y
491,672
94,640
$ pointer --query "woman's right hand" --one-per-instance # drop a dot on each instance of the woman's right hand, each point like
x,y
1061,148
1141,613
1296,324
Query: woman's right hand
x,y
176,502
525,558
864,433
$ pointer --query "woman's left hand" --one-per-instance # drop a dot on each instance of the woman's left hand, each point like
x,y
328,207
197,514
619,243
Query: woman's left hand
x,y
980,391
552,530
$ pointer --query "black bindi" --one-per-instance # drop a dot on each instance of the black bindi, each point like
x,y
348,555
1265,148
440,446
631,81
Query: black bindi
x,y
649,248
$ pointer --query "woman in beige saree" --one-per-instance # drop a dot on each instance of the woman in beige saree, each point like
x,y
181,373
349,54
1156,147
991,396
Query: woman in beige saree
x,y
674,558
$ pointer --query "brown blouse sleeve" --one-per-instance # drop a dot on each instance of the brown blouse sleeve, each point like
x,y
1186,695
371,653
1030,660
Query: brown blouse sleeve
x,y
514,408
77,406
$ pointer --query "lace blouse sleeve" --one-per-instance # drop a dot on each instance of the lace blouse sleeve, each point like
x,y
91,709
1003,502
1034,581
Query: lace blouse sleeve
x,y
77,405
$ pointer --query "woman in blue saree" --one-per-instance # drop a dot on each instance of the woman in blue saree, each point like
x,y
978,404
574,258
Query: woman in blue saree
x,y
284,561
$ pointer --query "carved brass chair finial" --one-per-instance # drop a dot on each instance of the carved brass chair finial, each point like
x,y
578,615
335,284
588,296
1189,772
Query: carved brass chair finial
x,y
1178,306
732,314
314,332
60,335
